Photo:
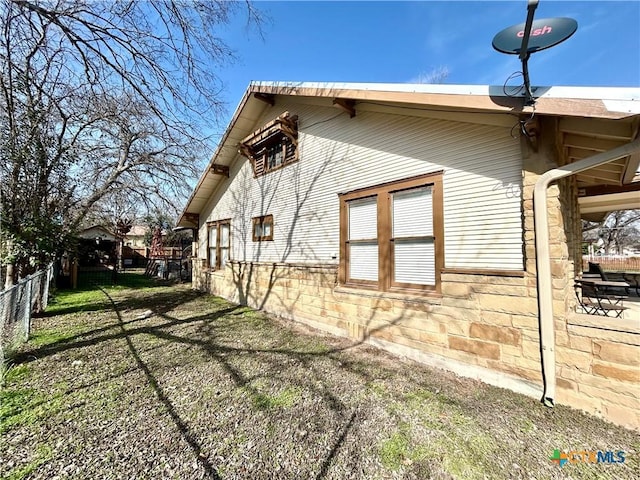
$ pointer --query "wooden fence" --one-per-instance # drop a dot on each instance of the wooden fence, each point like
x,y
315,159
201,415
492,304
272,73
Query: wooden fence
x,y
145,252
612,263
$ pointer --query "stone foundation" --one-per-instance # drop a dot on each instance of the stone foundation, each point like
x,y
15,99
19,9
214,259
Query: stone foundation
x,y
482,326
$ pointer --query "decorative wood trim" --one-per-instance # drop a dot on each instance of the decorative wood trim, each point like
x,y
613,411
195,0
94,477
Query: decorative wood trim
x,y
266,98
219,169
481,271
347,105
270,128
193,218
284,130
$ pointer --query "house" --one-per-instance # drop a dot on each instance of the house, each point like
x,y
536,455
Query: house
x,y
135,238
439,222
96,246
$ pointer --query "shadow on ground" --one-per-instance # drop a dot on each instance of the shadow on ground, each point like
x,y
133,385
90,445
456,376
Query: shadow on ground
x,y
165,382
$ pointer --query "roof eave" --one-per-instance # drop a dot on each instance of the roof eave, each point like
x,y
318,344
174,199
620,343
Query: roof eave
x,y
182,221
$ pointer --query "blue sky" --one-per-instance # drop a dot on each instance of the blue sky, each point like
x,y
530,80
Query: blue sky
x,y
397,42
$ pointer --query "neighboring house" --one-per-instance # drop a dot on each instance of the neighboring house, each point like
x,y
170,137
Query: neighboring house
x,y
97,246
134,238
97,233
403,216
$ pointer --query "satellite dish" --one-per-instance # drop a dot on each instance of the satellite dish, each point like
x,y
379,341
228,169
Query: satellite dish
x,y
532,36
545,33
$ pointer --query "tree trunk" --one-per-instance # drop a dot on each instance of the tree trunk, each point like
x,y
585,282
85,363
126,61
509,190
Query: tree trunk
x,y
8,281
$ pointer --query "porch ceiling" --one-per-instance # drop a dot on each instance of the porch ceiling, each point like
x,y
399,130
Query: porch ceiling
x,y
583,137
609,187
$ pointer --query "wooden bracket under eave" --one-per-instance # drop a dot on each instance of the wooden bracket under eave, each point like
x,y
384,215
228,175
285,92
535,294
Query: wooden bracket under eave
x,y
193,218
246,151
348,106
219,169
266,97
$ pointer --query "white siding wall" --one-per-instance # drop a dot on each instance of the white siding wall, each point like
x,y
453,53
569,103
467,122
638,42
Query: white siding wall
x,y
482,185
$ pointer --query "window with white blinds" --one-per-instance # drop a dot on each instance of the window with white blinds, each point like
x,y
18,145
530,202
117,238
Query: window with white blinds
x,y
363,239
225,240
213,241
412,236
392,235
218,243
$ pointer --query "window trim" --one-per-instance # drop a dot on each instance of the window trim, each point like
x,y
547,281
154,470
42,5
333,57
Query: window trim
x,y
384,192
217,224
281,130
262,220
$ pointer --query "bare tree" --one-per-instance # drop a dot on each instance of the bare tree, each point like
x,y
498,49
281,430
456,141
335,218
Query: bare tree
x,y
100,99
126,151
618,231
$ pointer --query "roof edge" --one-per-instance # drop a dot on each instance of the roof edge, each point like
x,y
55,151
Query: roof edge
x,y
580,92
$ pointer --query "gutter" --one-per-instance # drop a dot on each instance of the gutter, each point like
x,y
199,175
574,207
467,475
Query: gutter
x,y
543,258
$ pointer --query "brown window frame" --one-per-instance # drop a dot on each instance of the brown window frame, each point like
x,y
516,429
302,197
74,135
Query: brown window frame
x,y
280,133
217,224
262,220
383,194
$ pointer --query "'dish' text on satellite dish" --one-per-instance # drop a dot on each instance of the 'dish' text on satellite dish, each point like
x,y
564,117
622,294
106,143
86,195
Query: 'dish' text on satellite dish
x,y
545,33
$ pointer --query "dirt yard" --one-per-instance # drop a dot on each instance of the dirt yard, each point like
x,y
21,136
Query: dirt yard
x,y
160,382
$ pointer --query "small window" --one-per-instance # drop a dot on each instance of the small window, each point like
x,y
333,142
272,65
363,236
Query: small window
x,y
273,146
263,228
218,243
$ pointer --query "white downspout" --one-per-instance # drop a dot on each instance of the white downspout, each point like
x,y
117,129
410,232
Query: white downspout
x,y
543,258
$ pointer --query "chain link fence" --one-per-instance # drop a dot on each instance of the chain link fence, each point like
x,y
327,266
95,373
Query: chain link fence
x,y
17,304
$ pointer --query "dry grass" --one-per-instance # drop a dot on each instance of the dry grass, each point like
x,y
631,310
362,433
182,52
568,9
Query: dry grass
x,y
200,388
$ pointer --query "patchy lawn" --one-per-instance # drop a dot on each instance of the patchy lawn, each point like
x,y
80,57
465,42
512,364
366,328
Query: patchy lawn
x,y
162,382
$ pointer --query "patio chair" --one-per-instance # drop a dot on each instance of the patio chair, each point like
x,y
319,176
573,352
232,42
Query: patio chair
x,y
588,306
596,268
633,279
594,301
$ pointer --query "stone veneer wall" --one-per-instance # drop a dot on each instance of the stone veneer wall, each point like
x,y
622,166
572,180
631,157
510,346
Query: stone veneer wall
x,y
472,323
484,327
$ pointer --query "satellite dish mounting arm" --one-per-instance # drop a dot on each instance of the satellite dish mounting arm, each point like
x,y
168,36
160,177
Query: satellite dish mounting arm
x,y
524,52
